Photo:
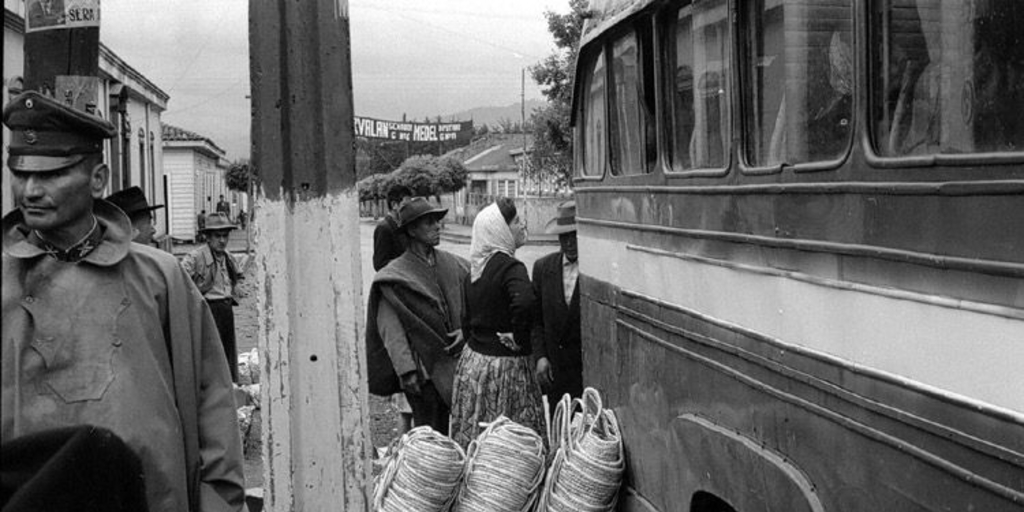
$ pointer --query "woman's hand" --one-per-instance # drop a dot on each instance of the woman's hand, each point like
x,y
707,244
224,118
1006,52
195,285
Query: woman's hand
x,y
455,348
545,374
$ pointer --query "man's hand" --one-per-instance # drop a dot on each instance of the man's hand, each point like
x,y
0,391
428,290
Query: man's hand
x,y
458,341
545,374
411,383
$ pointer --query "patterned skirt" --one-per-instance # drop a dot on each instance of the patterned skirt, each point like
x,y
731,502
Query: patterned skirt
x,y
487,387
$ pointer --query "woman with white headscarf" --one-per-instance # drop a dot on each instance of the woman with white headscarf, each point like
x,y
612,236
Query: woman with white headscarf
x,y
495,374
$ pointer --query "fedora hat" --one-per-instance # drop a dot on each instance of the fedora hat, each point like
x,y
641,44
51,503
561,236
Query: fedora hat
x,y
564,221
217,222
132,201
415,208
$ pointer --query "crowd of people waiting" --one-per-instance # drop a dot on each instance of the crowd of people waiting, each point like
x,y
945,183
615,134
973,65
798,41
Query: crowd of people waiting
x,y
465,342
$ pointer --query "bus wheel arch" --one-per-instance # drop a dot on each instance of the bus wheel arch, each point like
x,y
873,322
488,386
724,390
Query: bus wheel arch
x,y
747,478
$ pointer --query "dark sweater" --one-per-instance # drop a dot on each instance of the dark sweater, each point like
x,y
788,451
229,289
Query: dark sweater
x,y
502,300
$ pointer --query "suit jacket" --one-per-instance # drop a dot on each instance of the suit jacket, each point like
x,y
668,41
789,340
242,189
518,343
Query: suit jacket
x,y
556,327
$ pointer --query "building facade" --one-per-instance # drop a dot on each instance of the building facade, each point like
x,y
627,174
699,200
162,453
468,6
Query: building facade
x,y
196,171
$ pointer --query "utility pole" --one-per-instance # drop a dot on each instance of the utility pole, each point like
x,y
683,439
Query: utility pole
x,y
316,445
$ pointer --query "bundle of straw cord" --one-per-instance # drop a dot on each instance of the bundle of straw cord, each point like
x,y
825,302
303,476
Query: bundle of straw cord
x,y
587,467
504,469
421,473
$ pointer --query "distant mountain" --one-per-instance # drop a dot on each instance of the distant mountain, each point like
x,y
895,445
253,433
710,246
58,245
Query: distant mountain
x,y
491,115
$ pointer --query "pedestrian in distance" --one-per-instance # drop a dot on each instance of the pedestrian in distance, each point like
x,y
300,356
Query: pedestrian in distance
x,y
200,226
556,327
495,375
414,318
102,332
215,272
132,201
224,207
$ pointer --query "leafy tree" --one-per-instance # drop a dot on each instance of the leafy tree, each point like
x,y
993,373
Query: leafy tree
x,y
238,176
552,150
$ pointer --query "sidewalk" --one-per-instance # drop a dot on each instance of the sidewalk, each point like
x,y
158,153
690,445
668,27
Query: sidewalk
x,y
460,234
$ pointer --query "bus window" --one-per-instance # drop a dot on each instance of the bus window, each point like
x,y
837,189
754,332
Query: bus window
x,y
948,77
594,147
631,124
798,76
698,89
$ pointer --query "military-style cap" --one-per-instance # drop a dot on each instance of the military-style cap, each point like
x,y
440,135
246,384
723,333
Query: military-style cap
x,y
47,135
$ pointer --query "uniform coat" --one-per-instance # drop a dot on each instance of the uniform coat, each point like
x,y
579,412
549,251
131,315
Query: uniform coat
x,y
556,327
121,340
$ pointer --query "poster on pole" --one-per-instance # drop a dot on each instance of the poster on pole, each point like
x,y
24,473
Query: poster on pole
x,y
370,128
61,14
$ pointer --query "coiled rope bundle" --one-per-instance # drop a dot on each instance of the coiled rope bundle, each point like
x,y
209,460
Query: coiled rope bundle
x,y
588,464
422,473
504,469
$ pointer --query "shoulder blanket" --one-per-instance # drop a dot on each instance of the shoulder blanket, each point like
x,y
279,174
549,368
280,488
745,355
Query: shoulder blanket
x,y
428,301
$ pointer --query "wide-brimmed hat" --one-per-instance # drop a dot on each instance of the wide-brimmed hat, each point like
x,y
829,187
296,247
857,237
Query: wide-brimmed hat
x,y
564,221
132,201
417,207
217,222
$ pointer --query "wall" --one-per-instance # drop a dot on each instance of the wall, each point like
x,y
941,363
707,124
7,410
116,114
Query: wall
x,y
181,180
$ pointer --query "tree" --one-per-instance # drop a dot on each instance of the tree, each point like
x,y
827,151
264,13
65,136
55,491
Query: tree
x,y
239,174
552,153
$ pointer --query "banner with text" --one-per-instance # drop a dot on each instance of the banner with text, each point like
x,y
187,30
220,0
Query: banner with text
x,y
413,132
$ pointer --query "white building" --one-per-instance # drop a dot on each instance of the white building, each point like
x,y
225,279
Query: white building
x,y
196,173
129,100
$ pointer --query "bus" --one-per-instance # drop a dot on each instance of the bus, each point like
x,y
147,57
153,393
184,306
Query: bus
x,y
801,229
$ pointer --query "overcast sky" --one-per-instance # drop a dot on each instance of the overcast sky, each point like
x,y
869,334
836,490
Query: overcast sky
x,y
421,58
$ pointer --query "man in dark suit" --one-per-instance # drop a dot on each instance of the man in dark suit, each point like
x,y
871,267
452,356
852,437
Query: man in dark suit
x,y
556,328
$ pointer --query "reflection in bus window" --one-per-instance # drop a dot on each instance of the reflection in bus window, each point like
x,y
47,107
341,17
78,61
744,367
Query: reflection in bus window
x,y
948,77
629,119
798,81
698,120
593,125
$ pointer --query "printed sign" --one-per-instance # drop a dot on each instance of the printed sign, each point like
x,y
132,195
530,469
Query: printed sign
x,y
413,132
61,14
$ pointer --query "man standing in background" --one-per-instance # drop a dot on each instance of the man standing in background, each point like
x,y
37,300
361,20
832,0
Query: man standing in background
x,y
556,328
215,272
132,201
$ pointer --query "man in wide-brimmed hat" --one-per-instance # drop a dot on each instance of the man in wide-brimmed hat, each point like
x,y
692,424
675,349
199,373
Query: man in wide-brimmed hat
x,y
132,201
100,332
215,272
414,318
556,328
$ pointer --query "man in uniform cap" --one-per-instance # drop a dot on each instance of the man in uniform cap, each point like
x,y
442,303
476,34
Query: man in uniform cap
x,y
100,331
214,270
132,201
414,318
556,327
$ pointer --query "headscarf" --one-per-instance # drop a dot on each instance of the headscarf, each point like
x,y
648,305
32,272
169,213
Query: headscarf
x,y
491,235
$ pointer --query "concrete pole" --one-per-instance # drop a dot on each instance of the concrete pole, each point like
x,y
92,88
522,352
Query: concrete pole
x,y
316,446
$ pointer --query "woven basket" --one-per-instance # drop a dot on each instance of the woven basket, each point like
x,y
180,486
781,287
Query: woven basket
x,y
504,470
586,470
421,473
